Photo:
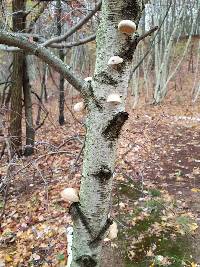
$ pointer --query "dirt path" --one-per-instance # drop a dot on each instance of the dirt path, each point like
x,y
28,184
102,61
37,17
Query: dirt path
x,y
166,152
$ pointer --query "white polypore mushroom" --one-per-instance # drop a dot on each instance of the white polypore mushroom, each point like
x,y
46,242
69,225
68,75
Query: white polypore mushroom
x,y
113,231
78,107
114,99
127,26
115,60
88,79
70,194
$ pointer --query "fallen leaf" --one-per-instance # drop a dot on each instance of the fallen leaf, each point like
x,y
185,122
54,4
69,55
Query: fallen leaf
x,y
195,190
8,258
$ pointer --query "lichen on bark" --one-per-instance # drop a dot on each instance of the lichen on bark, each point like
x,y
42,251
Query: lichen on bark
x,y
103,126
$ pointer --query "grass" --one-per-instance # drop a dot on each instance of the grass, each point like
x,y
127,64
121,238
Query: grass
x,y
157,233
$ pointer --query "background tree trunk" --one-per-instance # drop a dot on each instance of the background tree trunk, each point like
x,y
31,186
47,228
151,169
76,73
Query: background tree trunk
x,y
16,86
30,132
62,57
61,93
43,88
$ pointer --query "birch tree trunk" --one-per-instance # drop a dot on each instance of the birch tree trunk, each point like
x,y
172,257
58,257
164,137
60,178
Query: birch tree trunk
x,y
103,125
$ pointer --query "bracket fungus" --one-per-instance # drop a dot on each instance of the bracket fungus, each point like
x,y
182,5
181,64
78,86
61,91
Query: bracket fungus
x,y
115,60
88,79
113,231
127,26
70,194
114,99
78,107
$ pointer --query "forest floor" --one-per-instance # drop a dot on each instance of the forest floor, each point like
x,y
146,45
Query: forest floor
x,y
159,153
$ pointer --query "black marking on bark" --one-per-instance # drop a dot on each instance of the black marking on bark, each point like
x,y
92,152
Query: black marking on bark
x,y
102,232
104,173
127,51
131,9
112,130
87,261
76,212
105,78
92,96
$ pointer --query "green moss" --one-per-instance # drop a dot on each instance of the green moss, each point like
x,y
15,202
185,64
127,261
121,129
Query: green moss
x,y
150,233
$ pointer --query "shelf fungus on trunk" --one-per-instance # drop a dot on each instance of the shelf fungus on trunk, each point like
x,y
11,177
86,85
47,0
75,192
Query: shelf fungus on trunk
x,y
115,60
127,26
70,194
114,99
78,107
112,232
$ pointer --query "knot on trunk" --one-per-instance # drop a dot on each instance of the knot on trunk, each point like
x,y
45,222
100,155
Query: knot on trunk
x,y
87,261
103,173
113,128
106,78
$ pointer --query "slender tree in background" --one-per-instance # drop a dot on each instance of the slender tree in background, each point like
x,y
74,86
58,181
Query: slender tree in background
x,y
18,7
62,57
30,131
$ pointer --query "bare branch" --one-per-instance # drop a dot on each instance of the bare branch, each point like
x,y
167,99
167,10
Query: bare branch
x,y
13,39
148,33
72,44
74,28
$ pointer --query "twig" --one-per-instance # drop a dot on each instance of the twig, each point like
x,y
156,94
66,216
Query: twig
x,y
151,45
42,123
74,28
148,33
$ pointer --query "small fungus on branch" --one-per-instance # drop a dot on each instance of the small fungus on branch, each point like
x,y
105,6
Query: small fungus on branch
x,y
115,60
70,194
114,99
127,26
78,107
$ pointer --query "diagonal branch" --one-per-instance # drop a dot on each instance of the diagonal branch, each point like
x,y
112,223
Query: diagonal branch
x,y
77,43
59,46
148,33
13,39
75,28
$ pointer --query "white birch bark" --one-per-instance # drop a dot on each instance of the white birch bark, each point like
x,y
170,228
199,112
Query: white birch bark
x,y
103,125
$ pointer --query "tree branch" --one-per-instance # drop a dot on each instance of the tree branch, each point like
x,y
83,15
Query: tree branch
x,y
13,39
59,46
72,44
148,33
74,28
